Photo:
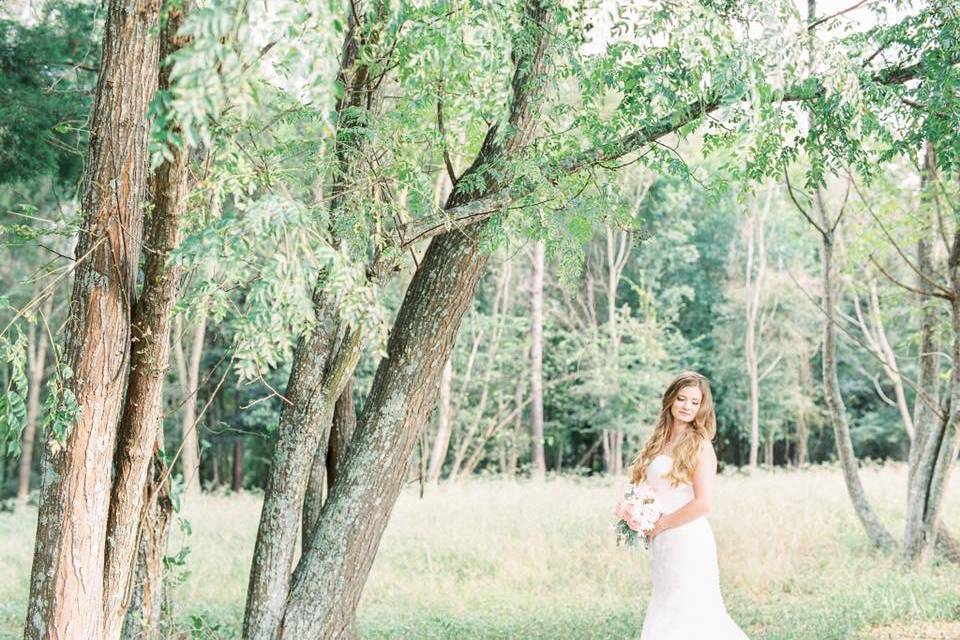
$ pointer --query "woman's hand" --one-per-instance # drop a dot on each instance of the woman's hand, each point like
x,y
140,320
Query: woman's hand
x,y
659,527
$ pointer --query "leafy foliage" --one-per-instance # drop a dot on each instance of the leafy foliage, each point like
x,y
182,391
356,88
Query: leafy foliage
x,y
47,72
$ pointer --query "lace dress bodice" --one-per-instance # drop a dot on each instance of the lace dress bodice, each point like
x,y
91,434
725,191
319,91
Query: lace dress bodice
x,y
671,497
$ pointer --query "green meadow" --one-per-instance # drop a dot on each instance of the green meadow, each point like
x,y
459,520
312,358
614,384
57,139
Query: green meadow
x,y
499,559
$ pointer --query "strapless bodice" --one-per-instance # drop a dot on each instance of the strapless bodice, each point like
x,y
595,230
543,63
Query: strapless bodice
x,y
671,497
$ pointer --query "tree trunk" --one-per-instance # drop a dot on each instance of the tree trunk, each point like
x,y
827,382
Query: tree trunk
x,y
328,460
344,425
324,360
328,581
190,386
803,435
803,428
329,578
214,463
788,460
66,587
37,340
141,424
918,538
616,256
538,464
143,613
932,468
837,412
237,479
755,280
874,529
444,426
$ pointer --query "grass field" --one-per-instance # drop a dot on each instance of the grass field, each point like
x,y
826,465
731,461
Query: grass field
x,y
497,559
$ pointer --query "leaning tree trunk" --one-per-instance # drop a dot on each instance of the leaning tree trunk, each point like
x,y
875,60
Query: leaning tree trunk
x,y
836,410
324,360
874,529
66,586
538,462
328,460
329,578
322,365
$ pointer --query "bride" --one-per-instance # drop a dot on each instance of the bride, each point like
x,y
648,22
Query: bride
x,y
679,462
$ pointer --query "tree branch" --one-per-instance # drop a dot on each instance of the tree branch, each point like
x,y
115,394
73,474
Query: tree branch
x,y
819,22
443,138
473,210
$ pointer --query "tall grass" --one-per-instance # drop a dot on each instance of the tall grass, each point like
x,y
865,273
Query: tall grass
x,y
497,559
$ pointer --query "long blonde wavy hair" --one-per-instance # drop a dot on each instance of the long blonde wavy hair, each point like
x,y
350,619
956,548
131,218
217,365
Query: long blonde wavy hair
x,y
686,453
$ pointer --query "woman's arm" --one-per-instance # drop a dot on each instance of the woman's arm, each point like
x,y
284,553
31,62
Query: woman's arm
x,y
702,503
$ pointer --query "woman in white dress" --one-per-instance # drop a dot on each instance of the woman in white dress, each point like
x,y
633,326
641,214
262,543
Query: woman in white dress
x,y
679,462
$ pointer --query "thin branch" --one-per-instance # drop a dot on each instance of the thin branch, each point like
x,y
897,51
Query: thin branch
x,y
921,393
819,22
896,246
947,296
443,138
843,207
799,207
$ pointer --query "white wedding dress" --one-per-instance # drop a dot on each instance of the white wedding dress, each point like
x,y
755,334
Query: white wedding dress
x,y
686,603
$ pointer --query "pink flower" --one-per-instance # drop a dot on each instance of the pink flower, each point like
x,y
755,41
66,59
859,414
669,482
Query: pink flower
x,y
636,525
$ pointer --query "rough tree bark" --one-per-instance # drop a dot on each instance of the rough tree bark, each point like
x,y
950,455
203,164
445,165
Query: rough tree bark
x,y
134,493
324,360
327,582
143,613
66,586
327,460
344,425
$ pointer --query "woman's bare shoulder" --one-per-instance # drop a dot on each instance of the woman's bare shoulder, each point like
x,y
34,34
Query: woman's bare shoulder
x,y
707,451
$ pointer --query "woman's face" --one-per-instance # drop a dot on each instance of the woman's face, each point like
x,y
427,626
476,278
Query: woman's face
x,y
686,404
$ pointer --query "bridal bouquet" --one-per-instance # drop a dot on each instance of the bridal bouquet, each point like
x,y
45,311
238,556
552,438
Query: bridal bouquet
x,y
637,512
